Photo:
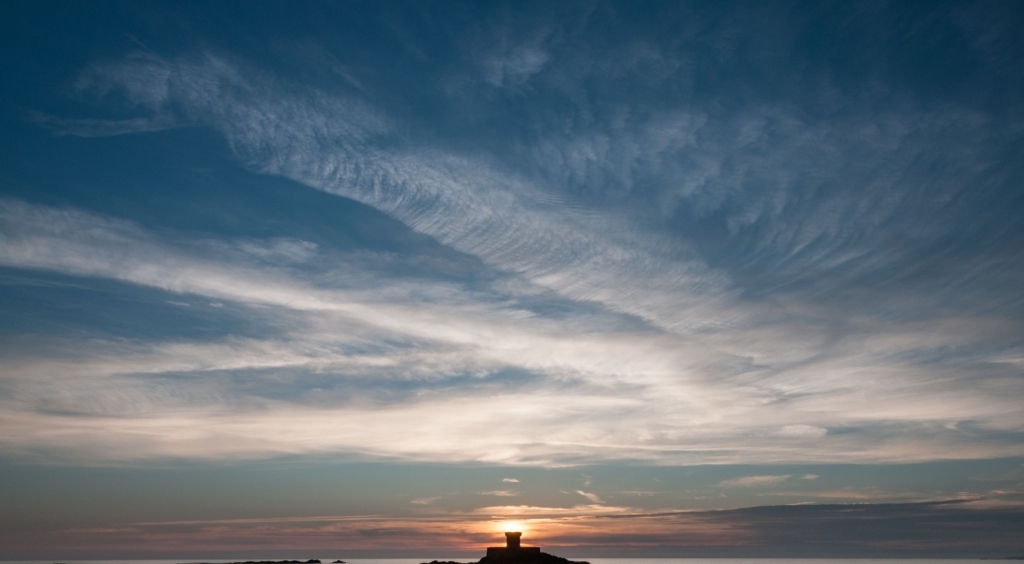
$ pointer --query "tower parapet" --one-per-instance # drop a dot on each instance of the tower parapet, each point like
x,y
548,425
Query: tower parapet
x,y
512,541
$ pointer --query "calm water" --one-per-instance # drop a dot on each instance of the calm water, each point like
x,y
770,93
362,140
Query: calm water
x,y
329,559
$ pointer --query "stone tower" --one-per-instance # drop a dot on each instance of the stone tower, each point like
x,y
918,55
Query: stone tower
x,y
512,541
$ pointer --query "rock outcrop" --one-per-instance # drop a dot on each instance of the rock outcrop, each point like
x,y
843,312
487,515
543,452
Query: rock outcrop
x,y
513,553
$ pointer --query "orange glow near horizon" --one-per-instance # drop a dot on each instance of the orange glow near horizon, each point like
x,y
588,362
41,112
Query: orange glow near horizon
x,y
511,527
433,535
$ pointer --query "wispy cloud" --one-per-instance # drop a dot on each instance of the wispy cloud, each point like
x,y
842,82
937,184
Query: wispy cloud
x,y
333,335
468,204
674,350
590,496
753,481
536,512
103,128
501,493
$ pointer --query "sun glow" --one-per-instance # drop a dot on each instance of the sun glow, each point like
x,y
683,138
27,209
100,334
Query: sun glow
x,y
511,527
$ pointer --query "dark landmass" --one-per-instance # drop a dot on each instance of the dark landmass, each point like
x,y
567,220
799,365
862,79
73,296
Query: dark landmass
x,y
521,558
530,558
310,561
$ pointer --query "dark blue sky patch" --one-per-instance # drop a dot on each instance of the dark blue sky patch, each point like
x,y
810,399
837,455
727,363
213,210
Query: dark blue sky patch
x,y
102,309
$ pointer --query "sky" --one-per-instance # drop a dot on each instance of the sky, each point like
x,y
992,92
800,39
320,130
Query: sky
x,y
356,279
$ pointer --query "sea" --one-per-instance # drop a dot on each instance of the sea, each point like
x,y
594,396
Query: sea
x,y
591,560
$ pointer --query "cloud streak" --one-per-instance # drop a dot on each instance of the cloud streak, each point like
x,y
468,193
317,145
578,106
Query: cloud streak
x,y
331,337
750,481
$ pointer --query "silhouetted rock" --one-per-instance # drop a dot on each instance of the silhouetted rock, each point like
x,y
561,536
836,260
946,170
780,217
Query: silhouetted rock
x,y
521,558
524,557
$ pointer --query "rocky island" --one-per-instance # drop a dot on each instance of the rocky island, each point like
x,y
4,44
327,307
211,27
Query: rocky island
x,y
514,553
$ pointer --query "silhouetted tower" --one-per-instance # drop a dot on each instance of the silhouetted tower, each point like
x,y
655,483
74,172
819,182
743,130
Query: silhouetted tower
x,y
512,552
512,541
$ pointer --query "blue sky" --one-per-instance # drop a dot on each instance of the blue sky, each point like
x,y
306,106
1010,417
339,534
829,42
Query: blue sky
x,y
642,278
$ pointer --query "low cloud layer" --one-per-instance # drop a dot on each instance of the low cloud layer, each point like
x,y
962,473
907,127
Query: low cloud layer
x,y
921,530
748,481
